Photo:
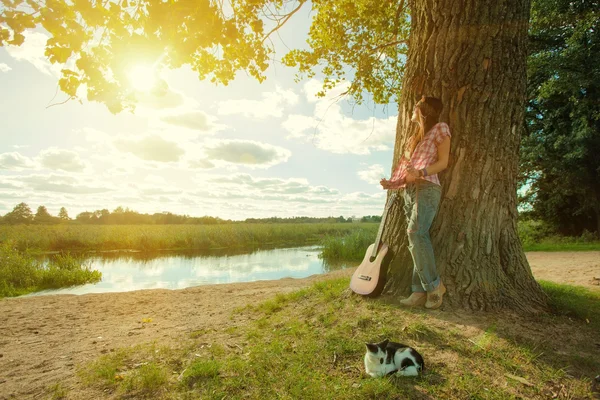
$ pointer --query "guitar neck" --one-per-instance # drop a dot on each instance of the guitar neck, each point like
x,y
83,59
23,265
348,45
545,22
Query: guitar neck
x,y
382,224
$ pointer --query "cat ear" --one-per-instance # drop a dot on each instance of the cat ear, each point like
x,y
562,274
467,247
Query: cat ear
x,y
372,347
384,344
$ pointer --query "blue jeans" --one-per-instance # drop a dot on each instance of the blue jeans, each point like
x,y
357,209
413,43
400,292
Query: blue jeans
x,y
420,206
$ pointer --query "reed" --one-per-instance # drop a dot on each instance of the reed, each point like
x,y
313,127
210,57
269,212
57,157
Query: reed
x,y
42,238
20,273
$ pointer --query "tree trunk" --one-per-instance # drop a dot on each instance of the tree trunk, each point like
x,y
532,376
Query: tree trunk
x,y
472,55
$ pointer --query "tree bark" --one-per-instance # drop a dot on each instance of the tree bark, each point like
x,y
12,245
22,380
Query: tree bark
x,y
472,55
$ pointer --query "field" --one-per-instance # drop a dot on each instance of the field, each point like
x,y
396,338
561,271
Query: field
x,y
342,241
40,238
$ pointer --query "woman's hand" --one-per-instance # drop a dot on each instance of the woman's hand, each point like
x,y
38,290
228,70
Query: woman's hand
x,y
389,184
385,183
412,174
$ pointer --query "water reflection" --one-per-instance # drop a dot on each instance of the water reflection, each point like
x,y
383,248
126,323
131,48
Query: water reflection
x,y
126,271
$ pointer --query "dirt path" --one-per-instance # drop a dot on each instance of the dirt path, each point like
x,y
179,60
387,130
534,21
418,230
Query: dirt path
x,y
570,268
43,339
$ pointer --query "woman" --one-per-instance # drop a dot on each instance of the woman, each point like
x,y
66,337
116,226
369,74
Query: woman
x,y
425,155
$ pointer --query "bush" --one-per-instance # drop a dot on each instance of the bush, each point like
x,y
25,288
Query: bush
x,y
20,273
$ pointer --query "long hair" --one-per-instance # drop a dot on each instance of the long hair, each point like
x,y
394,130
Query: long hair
x,y
430,109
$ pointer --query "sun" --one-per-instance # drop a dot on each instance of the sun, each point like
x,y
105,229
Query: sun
x,y
142,78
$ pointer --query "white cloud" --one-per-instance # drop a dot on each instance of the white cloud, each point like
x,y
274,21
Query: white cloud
x,y
62,184
314,86
8,184
272,185
61,159
201,164
155,179
150,148
15,161
329,129
95,136
372,174
262,197
156,191
159,100
271,105
248,152
32,50
194,120
4,67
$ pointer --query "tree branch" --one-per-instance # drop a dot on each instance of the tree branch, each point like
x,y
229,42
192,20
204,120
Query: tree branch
x,y
58,104
381,46
280,23
396,20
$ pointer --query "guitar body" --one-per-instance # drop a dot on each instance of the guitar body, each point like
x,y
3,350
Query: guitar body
x,y
369,278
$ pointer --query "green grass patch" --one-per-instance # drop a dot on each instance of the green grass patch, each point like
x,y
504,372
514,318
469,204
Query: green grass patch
x,y
538,236
200,371
57,392
20,273
574,301
560,244
310,345
148,379
141,371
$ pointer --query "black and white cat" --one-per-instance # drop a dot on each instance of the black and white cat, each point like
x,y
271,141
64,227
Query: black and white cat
x,y
387,357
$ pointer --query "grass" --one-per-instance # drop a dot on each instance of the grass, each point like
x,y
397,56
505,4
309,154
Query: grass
x,y
57,392
574,301
173,237
142,370
310,344
20,273
562,244
349,247
538,236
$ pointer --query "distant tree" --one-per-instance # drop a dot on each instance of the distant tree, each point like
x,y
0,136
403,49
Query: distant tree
x,y
42,216
371,218
104,215
560,147
63,215
21,214
84,217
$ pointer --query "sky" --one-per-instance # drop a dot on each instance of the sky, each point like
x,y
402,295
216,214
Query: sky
x,y
245,150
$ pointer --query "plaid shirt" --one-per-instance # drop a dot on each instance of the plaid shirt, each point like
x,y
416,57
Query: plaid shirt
x,y
425,154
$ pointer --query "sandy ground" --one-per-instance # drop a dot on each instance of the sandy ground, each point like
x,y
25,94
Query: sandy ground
x,y
571,268
44,338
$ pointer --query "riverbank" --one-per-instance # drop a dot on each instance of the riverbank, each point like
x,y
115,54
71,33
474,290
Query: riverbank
x,y
45,340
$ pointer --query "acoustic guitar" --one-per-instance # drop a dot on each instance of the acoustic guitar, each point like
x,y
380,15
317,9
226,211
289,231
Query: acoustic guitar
x,y
369,278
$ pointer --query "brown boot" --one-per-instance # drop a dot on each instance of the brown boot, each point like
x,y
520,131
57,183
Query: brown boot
x,y
416,299
434,297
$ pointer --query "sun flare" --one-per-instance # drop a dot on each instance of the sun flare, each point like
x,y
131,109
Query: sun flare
x,y
142,77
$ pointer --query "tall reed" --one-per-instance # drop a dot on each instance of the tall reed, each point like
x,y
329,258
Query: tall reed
x,y
172,237
20,273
